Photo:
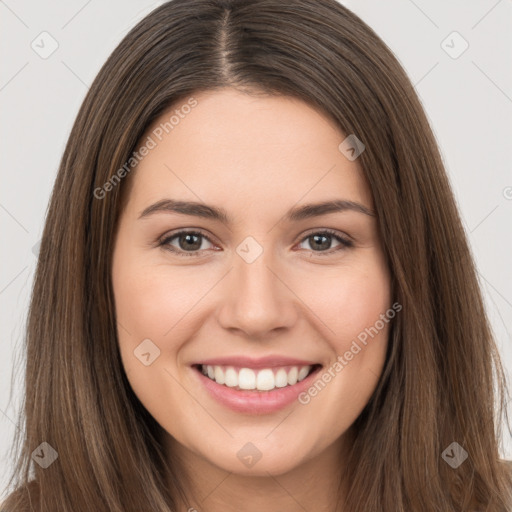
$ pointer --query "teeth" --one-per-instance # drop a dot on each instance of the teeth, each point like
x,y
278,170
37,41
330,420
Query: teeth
x,y
219,375
265,380
292,376
281,378
303,373
231,378
262,380
246,379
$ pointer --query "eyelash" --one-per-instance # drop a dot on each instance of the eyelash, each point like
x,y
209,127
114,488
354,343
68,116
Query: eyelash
x,y
164,242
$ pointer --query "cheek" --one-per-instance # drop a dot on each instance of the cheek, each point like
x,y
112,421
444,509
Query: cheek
x,y
149,300
158,302
355,312
148,304
360,314
350,301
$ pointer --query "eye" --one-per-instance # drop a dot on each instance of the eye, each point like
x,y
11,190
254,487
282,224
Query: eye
x,y
321,240
189,243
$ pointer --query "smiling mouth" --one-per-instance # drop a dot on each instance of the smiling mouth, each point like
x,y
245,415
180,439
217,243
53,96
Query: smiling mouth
x,y
258,380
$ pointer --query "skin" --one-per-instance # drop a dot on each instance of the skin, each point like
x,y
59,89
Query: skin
x,y
256,157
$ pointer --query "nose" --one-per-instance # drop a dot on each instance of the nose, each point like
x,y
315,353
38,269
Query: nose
x,y
257,301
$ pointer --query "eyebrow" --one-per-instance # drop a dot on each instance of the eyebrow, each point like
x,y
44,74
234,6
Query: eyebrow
x,y
298,213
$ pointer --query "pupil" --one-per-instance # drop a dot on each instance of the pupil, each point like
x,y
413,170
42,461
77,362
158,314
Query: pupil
x,y
316,237
191,245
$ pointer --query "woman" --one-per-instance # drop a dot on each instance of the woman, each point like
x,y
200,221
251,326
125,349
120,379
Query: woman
x,y
254,291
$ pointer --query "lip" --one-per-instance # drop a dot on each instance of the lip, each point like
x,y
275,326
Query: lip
x,y
256,363
254,402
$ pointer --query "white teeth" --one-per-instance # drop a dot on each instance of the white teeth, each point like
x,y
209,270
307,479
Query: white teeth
x,y
219,375
246,379
303,373
231,378
292,376
265,380
281,378
262,380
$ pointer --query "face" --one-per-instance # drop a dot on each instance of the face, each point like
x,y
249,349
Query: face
x,y
251,327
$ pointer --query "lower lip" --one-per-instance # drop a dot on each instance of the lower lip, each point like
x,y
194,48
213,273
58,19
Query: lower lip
x,y
255,402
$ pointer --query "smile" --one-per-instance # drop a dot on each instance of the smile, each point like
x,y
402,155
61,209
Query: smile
x,y
264,379
255,387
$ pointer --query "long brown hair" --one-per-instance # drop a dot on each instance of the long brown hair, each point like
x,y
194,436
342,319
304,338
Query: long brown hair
x,y
442,363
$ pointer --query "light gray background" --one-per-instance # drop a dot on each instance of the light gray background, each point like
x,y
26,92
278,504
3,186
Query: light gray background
x,y
468,100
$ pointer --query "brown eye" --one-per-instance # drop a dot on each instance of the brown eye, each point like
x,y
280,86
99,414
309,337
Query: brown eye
x,y
320,242
189,243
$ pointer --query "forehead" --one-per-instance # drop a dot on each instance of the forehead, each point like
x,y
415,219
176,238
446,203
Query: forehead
x,y
248,151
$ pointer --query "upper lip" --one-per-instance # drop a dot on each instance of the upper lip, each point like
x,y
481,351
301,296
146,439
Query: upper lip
x,y
261,362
